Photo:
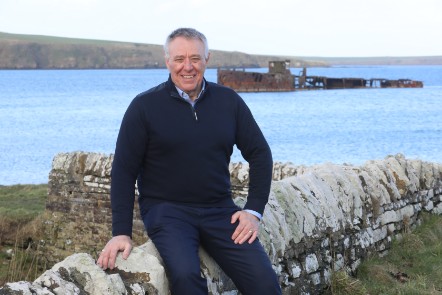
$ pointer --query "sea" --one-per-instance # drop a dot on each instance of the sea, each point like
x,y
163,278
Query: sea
x,y
45,112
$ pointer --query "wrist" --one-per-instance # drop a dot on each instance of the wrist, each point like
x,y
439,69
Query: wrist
x,y
254,213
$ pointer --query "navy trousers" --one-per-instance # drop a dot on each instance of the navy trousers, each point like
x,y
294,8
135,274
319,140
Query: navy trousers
x,y
178,230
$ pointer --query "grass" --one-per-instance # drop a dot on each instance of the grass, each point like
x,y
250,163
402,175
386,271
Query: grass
x,y
58,40
22,201
21,207
342,284
23,264
413,266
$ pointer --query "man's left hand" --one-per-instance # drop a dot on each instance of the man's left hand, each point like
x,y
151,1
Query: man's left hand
x,y
247,229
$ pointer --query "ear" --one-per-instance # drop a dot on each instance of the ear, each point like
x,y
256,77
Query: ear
x,y
208,57
166,60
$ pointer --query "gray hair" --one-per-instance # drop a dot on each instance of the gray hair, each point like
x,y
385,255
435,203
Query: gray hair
x,y
187,33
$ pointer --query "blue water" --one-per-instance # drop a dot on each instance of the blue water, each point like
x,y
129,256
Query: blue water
x,y
45,112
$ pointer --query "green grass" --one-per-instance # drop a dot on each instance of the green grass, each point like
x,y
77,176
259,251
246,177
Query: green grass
x,y
413,266
24,265
20,208
417,257
57,40
22,201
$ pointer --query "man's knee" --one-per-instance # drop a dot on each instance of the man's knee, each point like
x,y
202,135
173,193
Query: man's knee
x,y
263,281
185,281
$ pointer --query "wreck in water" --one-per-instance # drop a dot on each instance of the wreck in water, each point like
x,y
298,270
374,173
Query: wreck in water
x,y
279,78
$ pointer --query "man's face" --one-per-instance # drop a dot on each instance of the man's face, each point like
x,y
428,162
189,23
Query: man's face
x,y
186,64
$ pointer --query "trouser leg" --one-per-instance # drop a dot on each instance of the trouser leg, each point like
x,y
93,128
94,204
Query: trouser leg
x,y
177,240
248,265
177,232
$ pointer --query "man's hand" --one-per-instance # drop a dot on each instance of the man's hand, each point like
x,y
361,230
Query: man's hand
x,y
109,254
247,229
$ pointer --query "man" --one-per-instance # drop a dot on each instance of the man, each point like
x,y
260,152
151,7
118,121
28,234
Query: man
x,y
176,140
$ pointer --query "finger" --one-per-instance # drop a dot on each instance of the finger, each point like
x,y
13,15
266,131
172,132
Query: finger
x,y
244,236
112,258
126,251
104,261
240,227
238,231
99,261
235,217
253,237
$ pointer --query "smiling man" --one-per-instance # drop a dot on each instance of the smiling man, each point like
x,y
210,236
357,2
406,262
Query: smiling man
x,y
187,64
175,141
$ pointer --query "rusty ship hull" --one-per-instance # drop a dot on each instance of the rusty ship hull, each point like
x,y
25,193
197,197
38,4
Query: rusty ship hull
x,y
279,78
243,81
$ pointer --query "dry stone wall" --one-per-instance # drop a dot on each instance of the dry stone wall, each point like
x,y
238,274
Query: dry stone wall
x,y
319,219
79,202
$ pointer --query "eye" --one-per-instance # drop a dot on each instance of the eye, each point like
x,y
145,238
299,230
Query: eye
x,y
195,59
179,59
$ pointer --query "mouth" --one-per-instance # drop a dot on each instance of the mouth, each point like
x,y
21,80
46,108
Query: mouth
x,y
188,76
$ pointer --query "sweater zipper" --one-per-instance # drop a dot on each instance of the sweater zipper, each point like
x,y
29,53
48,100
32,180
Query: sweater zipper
x,y
193,106
194,112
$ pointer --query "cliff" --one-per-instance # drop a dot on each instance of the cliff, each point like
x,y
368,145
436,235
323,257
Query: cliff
x,y
319,219
45,52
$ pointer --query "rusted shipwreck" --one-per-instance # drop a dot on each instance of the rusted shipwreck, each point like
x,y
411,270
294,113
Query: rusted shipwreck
x,y
279,78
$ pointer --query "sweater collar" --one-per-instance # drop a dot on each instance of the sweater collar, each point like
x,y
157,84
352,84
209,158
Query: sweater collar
x,y
174,91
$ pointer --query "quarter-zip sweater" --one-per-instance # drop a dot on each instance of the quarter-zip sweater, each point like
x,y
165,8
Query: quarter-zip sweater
x,y
180,153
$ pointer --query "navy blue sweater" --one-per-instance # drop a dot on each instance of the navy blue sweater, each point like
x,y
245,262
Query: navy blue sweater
x,y
179,153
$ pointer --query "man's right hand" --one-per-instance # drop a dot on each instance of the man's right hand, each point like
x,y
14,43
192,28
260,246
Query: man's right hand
x,y
109,254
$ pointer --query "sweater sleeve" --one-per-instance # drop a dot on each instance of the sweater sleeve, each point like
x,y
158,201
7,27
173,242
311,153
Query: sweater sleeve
x,y
129,153
256,151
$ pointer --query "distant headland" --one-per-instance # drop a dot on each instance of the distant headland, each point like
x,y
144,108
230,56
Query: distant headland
x,y
46,52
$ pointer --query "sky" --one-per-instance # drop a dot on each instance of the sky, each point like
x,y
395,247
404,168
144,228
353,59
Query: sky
x,y
324,28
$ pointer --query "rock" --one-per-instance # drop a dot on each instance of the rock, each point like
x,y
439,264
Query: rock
x,y
141,273
319,219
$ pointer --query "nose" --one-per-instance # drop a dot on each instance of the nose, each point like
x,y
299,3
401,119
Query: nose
x,y
188,64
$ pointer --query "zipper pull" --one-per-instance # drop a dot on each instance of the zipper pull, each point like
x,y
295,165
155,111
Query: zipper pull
x,y
194,112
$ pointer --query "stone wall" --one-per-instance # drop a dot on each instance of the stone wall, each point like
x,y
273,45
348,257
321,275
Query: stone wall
x,y
79,202
319,219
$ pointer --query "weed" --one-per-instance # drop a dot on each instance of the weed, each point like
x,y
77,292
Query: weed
x,y
21,214
413,264
25,264
342,284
